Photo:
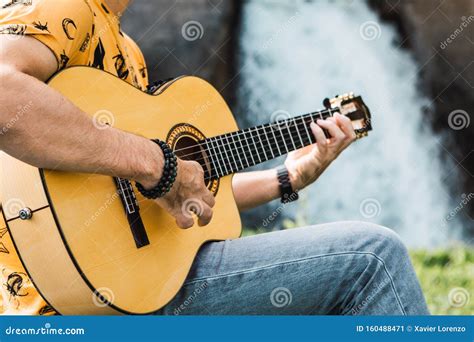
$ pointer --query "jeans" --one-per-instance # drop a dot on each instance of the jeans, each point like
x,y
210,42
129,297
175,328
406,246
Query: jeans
x,y
341,268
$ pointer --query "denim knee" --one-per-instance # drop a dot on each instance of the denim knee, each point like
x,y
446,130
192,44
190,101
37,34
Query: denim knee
x,y
373,238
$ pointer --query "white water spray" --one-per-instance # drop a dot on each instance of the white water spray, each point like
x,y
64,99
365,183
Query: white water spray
x,y
294,54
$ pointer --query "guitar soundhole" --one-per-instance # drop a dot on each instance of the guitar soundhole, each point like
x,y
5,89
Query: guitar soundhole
x,y
187,148
183,139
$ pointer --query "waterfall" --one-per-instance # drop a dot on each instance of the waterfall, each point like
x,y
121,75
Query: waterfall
x,y
293,54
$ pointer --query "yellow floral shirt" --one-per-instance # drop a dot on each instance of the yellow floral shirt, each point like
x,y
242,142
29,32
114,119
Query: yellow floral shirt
x,y
78,32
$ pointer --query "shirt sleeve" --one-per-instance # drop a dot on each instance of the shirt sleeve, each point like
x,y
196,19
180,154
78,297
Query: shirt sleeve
x,y
64,26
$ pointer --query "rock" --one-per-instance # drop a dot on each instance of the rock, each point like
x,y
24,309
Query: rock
x,y
187,38
441,36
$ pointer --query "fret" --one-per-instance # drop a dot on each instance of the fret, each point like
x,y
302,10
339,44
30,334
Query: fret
x,y
231,151
258,135
247,149
291,135
310,137
282,137
276,142
298,131
261,143
220,158
249,145
264,128
226,154
236,150
211,153
242,148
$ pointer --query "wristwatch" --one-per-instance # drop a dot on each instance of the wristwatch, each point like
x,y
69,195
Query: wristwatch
x,y
286,190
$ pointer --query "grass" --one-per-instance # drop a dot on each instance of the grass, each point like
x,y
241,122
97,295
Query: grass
x,y
446,277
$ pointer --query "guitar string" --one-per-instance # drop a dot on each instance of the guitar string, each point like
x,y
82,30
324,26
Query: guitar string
x,y
221,167
224,166
286,137
322,115
266,129
126,194
230,166
248,149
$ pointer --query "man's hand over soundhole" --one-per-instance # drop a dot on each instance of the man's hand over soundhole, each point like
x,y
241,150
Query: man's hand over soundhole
x,y
188,195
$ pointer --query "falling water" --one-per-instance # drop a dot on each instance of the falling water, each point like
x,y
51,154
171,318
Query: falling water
x,y
294,54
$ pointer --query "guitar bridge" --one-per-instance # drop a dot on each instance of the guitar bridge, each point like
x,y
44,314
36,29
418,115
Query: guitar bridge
x,y
132,210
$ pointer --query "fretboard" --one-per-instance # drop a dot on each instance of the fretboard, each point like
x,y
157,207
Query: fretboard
x,y
236,151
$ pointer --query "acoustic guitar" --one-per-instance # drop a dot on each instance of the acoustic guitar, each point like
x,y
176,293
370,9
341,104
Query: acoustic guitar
x,y
91,243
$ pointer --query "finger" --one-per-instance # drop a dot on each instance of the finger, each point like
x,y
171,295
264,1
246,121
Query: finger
x,y
333,128
184,221
320,137
209,199
346,126
205,215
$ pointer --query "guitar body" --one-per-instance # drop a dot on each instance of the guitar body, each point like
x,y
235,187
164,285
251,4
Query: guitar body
x,y
78,246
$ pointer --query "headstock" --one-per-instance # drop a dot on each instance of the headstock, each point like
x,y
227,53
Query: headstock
x,y
355,109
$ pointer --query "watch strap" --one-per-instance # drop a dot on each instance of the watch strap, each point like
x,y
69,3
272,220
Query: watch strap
x,y
286,190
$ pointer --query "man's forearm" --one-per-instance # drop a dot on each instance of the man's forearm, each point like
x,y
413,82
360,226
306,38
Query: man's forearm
x,y
52,133
252,189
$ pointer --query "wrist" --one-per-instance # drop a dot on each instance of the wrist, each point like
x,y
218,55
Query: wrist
x,y
295,178
167,176
152,166
288,193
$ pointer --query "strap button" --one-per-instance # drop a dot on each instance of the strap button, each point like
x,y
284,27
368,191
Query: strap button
x,y
25,213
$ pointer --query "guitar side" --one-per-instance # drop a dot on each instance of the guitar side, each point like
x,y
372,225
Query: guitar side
x,y
78,245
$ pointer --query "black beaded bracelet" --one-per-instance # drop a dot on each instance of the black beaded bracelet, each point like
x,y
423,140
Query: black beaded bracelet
x,y
170,170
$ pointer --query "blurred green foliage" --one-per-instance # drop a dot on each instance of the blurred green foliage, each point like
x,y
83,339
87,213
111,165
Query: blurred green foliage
x,y
447,279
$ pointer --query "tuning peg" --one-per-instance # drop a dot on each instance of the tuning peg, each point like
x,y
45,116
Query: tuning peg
x,y
327,103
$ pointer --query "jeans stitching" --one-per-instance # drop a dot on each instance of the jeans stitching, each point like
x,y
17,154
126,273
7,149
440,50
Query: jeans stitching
x,y
294,261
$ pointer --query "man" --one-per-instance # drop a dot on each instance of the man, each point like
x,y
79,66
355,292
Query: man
x,y
337,268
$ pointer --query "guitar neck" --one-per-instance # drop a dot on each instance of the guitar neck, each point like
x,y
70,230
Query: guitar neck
x,y
239,150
